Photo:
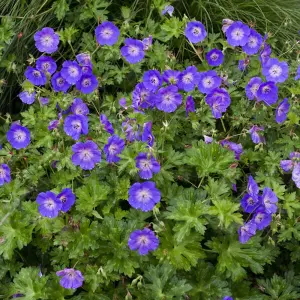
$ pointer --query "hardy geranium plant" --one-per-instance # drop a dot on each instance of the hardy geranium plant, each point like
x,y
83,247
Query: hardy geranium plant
x,y
135,175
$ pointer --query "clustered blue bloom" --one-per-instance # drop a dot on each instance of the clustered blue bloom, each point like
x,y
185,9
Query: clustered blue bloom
x,y
260,206
293,164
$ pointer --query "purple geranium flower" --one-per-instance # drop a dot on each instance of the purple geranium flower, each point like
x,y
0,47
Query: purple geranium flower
x,y
71,71
84,59
67,198
85,70
251,200
189,105
87,83
227,298
236,148
18,136
147,165
44,100
208,139
59,84
152,80
86,155
265,53
143,240
225,24
252,87
171,76
78,107
107,33
168,99
261,218
147,135
256,136
215,57
122,103
268,92
254,42
297,73
35,76
27,97
54,123
218,100
243,64
208,81
132,130
144,195
296,175
142,98
46,64
147,42
4,174
115,145
75,125
169,9
106,124
133,50
71,278
188,79
195,32
237,34
246,232
49,205
252,186
286,165
275,71
282,111
46,40
269,200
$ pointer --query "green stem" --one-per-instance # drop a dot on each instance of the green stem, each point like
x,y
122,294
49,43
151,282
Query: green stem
x,y
200,183
223,125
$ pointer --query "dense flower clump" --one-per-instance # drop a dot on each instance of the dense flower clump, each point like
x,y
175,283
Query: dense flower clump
x,y
94,141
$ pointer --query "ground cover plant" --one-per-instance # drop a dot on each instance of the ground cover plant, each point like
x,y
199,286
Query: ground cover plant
x,y
134,174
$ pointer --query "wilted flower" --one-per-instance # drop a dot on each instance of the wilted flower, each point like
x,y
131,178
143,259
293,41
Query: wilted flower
x,y
86,155
144,195
46,40
133,50
297,73
208,139
132,130
44,100
256,136
265,53
215,57
251,200
71,278
18,136
243,64
49,205
143,240
225,24
282,111
147,135
195,32
84,59
236,148
169,9
107,33
147,42
27,97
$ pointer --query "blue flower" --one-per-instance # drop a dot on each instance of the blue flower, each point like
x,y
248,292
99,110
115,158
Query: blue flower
x,y
189,105
44,100
132,130
115,145
261,218
296,175
218,100
107,33
265,53
208,81
147,42
46,64
152,80
18,136
147,165
49,205
84,59
254,42
297,73
86,155
215,57
35,76
236,148
4,174
252,87
275,71
70,278
78,107
142,98
107,125
269,200
268,92
87,84
246,232
67,198
75,125
237,34
71,71
27,97
171,76
144,195
282,111
243,64
59,84
133,50
195,32
188,79
46,40
147,135
168,99
256,136
169,9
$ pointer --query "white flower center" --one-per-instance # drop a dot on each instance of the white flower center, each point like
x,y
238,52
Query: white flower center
x,y
86,82
60,81
2,173
266,89
168,97
254,88
237,34
47,40
143,195
73,71
196,31
112,149
146,164
143,240
133,50
275,71
208,82
188,78
214,56
20,136
154,80
86,154
49,204
252,42
76,125
106,33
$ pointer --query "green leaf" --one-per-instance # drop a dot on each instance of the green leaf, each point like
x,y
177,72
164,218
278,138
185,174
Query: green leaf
x,y
67,35
291,204
60,8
